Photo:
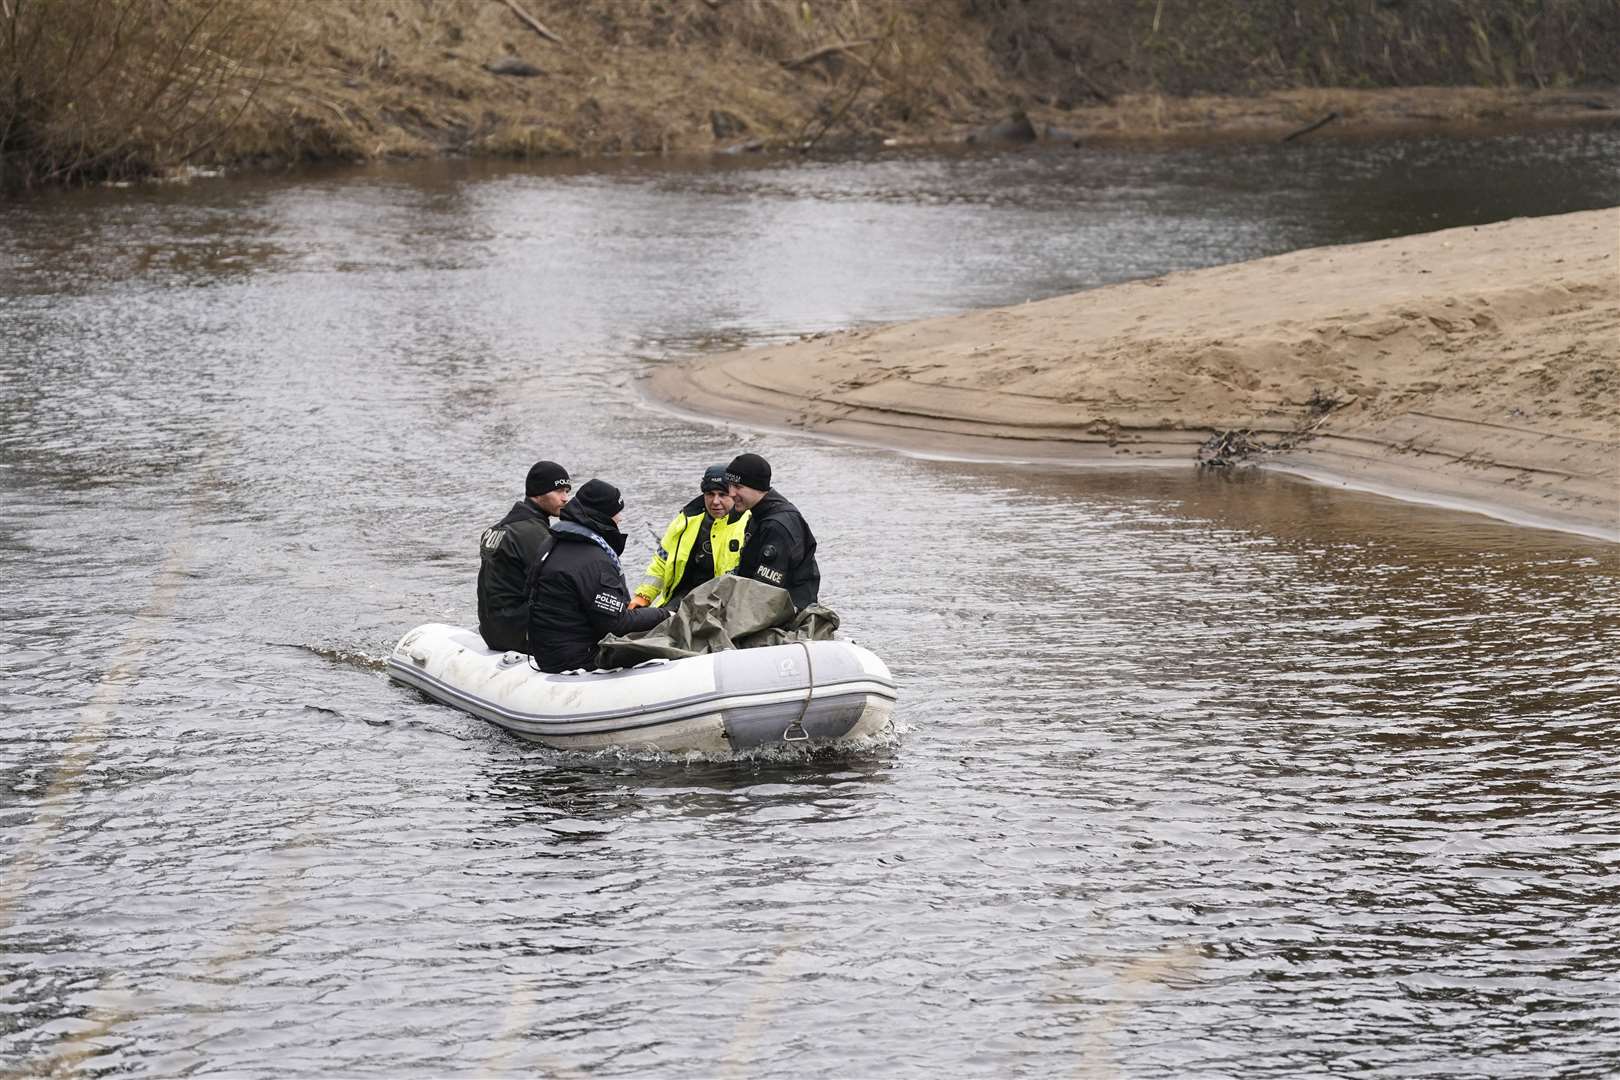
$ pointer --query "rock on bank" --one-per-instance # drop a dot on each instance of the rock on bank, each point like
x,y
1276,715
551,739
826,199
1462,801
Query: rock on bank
x,y
1478,367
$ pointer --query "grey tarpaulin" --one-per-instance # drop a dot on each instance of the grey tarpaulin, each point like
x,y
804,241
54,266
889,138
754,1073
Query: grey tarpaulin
x,y
728,612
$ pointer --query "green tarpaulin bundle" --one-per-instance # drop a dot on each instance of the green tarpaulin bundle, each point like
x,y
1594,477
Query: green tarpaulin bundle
x,y
728,612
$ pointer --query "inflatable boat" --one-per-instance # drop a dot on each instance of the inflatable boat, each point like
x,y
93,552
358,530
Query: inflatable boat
x,y
803,692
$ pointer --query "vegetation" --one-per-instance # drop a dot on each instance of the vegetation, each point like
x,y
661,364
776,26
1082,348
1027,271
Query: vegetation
x,y
97,89
106,88
1071,50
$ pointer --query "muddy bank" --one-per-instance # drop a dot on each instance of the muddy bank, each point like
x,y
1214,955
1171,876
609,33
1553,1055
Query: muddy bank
x,y
1477,367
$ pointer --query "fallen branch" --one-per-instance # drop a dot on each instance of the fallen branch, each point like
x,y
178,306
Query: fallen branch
x,y
1308,128
1226,448
533,23
826,50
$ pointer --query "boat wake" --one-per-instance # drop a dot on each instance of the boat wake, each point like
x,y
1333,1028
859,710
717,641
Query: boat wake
x,y
342,657
875,743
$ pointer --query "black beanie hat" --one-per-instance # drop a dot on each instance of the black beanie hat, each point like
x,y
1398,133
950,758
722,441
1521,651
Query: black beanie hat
x,y
599,496
714,479
545,476
750,470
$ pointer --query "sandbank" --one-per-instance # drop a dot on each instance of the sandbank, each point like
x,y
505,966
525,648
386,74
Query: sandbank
x,y
1477,368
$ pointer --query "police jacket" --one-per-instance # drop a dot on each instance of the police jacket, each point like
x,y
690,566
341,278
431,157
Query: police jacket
x,y
579,595
781,550
715,547
508,550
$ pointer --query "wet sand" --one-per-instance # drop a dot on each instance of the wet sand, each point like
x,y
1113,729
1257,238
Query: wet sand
x,y
1477,368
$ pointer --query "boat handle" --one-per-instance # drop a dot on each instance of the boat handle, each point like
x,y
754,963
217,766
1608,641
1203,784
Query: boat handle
x,y
795,731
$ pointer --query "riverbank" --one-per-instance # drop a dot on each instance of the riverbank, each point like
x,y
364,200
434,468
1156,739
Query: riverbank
x,y
456,104
258,84
533,78
1474,367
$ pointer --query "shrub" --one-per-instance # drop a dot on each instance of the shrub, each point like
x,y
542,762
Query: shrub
x,y
106,89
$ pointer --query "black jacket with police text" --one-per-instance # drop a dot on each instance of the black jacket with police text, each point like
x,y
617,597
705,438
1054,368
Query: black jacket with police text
x,y
579,594
508,550
781,550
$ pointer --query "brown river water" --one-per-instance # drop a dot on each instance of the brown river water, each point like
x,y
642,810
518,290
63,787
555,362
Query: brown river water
x,y
1196,776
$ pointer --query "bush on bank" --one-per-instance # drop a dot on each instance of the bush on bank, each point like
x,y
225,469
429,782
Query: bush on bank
x,y
97,89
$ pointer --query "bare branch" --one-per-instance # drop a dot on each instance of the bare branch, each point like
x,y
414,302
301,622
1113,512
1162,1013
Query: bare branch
x,y
833,117
826,50
166,81
251,97
533,23
1308,128
117,44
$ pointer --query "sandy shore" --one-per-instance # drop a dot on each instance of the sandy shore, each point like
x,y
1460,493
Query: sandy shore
x,y
1476,367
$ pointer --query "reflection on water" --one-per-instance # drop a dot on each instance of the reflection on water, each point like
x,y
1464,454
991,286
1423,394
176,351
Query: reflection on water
x,y
1200,775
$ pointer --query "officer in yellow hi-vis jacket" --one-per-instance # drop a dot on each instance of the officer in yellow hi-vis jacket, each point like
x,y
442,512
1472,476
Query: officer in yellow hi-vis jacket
x,y
703,542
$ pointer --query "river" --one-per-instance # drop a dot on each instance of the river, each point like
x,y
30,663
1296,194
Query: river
x,y
1195,776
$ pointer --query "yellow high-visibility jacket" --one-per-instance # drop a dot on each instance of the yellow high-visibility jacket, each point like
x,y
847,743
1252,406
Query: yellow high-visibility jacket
x,y
669,565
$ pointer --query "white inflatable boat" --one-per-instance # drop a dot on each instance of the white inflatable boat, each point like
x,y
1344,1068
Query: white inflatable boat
x,y
740,699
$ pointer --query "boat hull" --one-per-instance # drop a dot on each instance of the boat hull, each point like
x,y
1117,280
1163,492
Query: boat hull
x,y
812,692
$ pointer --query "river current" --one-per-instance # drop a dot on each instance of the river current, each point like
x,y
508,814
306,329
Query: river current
x,y
1195,776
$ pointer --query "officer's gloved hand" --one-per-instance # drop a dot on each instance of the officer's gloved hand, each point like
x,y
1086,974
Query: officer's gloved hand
x,y
637,601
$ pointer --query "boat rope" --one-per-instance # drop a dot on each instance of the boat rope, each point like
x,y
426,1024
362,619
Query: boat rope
x,y
795,731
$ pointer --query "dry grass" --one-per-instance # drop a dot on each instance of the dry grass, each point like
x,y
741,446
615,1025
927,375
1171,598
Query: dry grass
x,y
360,79
412,76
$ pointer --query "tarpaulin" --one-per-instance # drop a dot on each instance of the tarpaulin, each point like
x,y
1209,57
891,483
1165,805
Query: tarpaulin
x,y
729,612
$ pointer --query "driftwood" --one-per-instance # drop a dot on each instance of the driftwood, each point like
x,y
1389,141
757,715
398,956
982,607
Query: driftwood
x,y
826,50
533,23
1227,448
1308,128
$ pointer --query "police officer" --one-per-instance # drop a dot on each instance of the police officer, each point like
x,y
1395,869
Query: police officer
x,y
704,541
579,596
510,549
780,548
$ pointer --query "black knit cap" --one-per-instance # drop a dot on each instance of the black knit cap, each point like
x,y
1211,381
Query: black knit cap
x,y
545,476
750,470
599,496
714,479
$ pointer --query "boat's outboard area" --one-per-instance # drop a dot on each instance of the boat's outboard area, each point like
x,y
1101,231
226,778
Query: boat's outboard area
x,y
812,692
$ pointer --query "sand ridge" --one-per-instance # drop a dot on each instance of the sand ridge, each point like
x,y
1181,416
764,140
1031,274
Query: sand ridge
x,y
1477,366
